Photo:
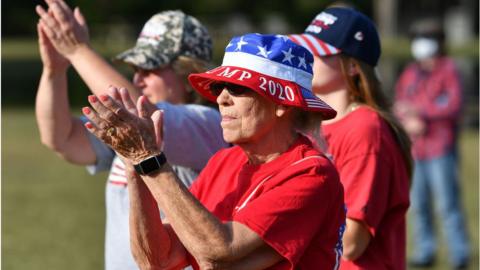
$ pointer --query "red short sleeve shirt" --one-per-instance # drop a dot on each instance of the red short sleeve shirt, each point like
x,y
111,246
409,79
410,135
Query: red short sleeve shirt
x,y
373,173
294,203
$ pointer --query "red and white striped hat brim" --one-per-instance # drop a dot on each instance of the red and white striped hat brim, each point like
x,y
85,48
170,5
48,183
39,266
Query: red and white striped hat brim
x,y
314,45
279,90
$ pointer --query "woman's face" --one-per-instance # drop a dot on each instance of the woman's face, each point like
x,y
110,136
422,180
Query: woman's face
x,y
246,118
327,74
160,84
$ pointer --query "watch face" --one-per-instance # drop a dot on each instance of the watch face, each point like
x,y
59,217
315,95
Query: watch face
x,y
150,165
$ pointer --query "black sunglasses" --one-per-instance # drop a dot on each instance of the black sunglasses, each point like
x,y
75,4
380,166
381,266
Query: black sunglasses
x,y
233,89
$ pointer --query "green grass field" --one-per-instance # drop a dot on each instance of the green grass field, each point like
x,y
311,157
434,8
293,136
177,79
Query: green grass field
x,y
53,212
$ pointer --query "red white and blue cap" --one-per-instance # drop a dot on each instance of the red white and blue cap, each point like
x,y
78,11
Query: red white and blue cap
x,y
314,45
271,65
341,30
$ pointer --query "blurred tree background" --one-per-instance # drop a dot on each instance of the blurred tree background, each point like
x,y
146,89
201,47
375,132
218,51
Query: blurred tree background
x,y
53,213
21,16
114,26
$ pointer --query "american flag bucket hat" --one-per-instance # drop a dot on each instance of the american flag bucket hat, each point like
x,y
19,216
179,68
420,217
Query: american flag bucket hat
x,y
271,65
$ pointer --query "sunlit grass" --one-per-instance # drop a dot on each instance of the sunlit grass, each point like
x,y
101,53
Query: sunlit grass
x,y
53,212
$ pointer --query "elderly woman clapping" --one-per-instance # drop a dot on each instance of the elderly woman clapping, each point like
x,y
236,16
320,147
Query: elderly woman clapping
x,y
272,201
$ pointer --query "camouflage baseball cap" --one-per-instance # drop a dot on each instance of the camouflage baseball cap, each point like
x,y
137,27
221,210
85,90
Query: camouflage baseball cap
x,y
166,36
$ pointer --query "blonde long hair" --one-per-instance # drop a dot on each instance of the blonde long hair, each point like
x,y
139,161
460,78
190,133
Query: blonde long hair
x,y
184,66
365,88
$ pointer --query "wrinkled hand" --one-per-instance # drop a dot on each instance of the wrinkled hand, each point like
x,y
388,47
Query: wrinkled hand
x,y
123,97
66,30
134,132
51,59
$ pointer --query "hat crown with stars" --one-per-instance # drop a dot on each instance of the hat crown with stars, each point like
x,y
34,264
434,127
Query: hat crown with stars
x,y
271,65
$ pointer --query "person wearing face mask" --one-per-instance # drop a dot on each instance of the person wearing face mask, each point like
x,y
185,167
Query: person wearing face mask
x,y
171,46
428,102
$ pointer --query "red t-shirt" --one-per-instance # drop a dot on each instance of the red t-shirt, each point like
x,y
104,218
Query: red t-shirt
x,y
294,203
376,182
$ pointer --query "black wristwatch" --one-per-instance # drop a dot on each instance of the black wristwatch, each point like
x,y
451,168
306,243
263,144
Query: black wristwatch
x,y
151,164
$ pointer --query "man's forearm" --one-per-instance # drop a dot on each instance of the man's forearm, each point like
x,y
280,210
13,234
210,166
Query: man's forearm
x,y
52,109
97,73
59,130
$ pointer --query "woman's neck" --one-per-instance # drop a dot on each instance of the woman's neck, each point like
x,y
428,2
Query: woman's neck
x,y
339,100
269,146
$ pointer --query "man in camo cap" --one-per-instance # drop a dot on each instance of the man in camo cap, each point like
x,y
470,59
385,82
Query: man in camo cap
x,y
170,42
166,36
170,47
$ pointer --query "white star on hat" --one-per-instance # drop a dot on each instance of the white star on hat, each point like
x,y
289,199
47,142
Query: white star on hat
x,y
230,44
287,55
302,62
263,51
240,44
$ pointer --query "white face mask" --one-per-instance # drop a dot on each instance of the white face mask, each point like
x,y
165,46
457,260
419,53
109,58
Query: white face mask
x,y
423,48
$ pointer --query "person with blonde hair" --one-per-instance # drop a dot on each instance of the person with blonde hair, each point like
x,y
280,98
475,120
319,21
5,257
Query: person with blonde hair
x,y
369,147
170,46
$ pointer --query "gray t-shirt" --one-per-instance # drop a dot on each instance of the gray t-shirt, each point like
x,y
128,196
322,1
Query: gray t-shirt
x,y
192,134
